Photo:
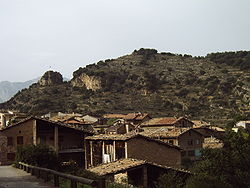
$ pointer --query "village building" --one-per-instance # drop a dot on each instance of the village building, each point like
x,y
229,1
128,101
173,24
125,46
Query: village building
x,y
198,123
135,118
189,140
113,116
107,148
210,131
8,117
120,127
241,125
167,122
139,173
66,140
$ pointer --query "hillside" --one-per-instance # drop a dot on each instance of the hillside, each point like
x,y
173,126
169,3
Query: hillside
x,y
166,84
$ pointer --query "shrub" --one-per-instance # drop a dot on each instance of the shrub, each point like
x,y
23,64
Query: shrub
x,y
40,155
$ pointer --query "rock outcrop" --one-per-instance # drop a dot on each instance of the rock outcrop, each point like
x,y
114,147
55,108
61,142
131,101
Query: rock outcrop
x,y
90,82
51,78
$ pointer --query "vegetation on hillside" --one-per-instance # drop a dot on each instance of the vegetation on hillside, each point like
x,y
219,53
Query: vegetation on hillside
x,y
208,88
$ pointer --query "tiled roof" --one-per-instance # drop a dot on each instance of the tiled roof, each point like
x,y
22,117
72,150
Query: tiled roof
x,y
111,136
163,121
160,121
165,133
116,166
135,116
123,165
199,122
76,127
212,128
114,116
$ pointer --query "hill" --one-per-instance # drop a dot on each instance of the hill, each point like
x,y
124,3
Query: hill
x,y
166,84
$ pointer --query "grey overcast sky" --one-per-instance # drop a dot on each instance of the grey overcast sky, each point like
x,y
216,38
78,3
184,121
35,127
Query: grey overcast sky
x,y
66,34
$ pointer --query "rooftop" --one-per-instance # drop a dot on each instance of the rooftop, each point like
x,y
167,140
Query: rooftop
x,y
162,121
76,127
116,166
124,165
165,133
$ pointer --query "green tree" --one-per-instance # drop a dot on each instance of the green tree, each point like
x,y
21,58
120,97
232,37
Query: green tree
x,y
229,165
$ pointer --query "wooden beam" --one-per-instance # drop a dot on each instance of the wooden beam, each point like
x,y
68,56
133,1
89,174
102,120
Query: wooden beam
x,y
56,139
34,132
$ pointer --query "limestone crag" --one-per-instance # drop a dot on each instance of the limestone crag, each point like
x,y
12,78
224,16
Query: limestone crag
x,y
51,78
90,82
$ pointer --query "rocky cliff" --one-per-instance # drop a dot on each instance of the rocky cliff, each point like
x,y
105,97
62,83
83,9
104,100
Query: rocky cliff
x,y
90,82
51,78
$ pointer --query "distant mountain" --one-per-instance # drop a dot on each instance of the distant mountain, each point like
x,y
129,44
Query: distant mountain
x,y
9,89
215,87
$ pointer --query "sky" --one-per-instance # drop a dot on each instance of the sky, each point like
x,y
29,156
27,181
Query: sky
x,y
63,35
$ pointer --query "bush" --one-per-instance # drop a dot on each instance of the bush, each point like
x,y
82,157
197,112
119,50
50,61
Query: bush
x,y
40,155
205,181
171,180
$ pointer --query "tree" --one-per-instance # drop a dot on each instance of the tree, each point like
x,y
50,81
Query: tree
x,y
229,165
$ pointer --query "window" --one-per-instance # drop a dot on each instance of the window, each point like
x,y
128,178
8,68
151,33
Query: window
x,y
9,141
197,141
11,156
19,140
191,153
190,142
171,142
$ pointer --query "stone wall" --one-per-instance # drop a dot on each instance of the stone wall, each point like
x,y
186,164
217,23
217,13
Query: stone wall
x,y
139,148
3,149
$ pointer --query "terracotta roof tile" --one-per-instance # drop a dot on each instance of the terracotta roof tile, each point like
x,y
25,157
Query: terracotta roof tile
x,y
125,164
116,166
114,116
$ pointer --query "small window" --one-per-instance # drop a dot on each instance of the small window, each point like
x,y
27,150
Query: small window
x,y
191,153
11,156
19,140
171,142
9,141
190,142
197,141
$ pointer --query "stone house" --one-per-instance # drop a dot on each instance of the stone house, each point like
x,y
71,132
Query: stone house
x,y
120,128
167,122
210,131
66,140
136,118
139,173
107,148
189,140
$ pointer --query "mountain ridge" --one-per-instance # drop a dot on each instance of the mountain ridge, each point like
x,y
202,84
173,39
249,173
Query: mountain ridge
x,y
210,88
